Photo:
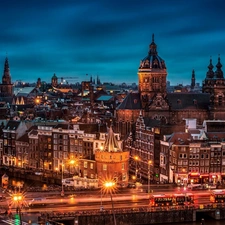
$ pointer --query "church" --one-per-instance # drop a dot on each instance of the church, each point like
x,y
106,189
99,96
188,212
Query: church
x,y
161,108
6,87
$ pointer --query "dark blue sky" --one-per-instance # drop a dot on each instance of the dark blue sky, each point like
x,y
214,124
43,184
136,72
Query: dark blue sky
x,y
109,38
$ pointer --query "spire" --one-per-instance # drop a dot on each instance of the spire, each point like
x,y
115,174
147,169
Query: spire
x,y
193,79
152,47
218,72
6,78
210,73
111,143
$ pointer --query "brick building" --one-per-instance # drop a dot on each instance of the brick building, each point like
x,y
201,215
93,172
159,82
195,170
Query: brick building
x,y
112,162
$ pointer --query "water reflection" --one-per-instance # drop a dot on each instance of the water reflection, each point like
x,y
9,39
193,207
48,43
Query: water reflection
x,y
208,221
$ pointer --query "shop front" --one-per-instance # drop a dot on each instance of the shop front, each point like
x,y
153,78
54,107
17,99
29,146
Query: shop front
x,y
215,178
204,178
182,179
194,178
223,179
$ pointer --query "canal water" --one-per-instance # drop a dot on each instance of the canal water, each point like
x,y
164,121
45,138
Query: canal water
x,y
199,221
206,222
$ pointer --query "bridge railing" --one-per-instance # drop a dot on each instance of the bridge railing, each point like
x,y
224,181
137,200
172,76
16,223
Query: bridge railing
x,y
211,206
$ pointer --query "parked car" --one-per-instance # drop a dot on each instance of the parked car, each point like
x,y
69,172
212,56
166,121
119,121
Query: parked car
x,y
131,185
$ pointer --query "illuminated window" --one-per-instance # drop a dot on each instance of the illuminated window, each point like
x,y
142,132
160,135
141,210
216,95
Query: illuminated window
x,y
104,167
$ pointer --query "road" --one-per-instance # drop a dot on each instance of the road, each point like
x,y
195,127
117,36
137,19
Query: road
x,y
92,200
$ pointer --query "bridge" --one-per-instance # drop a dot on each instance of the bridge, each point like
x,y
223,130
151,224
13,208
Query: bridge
x,y
143,215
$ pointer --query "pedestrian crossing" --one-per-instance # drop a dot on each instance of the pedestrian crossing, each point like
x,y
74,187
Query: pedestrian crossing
x,y
12,222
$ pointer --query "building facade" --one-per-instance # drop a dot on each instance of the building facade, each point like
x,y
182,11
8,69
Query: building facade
x,y
184,160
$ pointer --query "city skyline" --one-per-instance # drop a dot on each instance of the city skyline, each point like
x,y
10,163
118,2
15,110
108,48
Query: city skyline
x,y
109,39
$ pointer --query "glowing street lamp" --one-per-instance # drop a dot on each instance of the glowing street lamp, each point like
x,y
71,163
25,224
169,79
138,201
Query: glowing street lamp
x,y
149,174
17,198
109,187
136,158
72,163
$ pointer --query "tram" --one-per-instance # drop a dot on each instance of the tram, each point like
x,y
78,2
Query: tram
x,y
171,199
217,196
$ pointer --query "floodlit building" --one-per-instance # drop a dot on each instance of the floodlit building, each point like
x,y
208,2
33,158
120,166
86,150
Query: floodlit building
x,y
112,162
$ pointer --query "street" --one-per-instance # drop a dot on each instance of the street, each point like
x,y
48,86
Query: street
x,y
38,202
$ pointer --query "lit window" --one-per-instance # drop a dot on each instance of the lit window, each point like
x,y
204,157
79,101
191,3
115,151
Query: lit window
x,y
104,166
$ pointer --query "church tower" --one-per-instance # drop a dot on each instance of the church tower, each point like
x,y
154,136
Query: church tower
x,y
152,75
6,87
193,80
54,80
214,84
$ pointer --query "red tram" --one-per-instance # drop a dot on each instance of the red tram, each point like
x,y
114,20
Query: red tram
x,y
171,199
217,196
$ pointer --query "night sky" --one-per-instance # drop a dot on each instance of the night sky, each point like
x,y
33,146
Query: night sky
x,y
108,38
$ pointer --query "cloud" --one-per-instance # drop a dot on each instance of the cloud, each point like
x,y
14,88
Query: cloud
x,y
109,38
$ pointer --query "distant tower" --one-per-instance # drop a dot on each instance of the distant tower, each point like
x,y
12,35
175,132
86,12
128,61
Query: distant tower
x,y
111,161
98,80
38,85
6,88
193,80
54,81
91,79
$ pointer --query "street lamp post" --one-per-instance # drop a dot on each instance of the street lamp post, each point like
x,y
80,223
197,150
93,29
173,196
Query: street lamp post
x,y
109,186
149,174
136,170
18,198
101,207
62,191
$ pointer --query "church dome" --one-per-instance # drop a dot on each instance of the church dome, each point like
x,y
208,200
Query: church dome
x,y
54,76
152,60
